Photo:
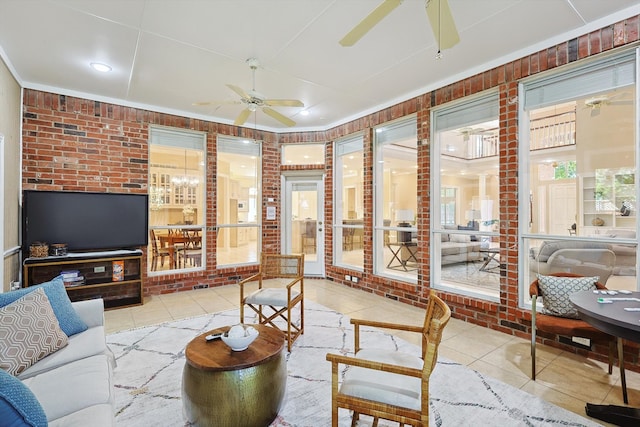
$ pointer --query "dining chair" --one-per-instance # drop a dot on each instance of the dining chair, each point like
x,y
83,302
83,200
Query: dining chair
x,y
280,281
389,384
309,237
191,250
559,318
347,238
157,251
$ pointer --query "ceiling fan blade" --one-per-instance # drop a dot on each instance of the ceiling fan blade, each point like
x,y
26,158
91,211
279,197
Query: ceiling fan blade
x,y
279,117
242,117
284,102
369,22
442,24
226,102
238,90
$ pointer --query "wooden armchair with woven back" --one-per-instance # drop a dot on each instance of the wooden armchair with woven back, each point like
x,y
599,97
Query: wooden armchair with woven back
x,y
279,293
389,384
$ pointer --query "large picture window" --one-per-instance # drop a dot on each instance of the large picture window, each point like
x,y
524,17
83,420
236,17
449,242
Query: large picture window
x,y
465,250
238,201
349,203
396,200
176,200
580,150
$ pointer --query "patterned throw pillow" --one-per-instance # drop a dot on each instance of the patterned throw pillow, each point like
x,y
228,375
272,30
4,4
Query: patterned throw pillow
x,y
70,322
18,405
29,331
556,291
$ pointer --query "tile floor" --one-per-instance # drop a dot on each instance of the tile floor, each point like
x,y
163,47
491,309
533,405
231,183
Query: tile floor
x,y
564,379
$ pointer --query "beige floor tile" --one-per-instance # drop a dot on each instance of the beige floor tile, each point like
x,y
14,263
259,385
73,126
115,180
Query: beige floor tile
x,y
452,353
514,357
564,379
506,376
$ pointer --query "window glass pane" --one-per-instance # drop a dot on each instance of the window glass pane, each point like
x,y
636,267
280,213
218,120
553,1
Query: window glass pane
x,y
349,203
582,179
303,154
176,200
238,196
395,250
466,256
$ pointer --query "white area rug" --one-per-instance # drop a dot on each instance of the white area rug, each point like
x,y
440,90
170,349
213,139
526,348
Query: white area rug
x,y
150,362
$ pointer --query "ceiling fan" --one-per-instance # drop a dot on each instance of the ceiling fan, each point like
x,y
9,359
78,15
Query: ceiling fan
x,y
596,102
254,100
469,131
438,11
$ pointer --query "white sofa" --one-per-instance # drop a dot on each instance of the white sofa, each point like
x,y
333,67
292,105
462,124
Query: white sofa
x,y
74,385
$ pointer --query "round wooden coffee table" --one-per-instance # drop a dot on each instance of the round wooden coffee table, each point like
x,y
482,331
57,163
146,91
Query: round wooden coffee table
x,y
222,387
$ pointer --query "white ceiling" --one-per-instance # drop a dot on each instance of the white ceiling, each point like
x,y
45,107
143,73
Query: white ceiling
x,y
168,54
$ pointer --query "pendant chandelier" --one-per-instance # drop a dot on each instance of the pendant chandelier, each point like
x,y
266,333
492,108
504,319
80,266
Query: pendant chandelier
x,y
185,181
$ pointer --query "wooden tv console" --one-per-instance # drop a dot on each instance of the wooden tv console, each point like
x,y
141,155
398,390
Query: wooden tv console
x,y
97,268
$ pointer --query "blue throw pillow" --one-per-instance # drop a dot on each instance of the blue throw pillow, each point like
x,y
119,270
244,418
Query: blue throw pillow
x,y
18,405
70,322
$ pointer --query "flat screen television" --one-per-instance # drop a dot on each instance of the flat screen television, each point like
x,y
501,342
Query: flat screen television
x,y
85,221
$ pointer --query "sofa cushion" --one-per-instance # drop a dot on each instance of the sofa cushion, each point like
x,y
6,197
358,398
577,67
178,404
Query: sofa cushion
x,y
67,317
29,331
548,248
459,238
556,290
18,405
100,416
84,383
89,343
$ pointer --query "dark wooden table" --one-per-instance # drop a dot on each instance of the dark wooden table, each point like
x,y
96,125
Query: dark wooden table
x,y
222,387
612,319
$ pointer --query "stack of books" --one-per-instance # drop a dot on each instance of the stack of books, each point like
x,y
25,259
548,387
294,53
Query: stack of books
x,y
72,278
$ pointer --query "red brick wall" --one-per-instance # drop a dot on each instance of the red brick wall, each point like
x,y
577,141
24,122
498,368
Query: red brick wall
x,y
76,144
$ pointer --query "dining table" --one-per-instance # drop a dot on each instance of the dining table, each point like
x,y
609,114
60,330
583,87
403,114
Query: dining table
x,y
175,241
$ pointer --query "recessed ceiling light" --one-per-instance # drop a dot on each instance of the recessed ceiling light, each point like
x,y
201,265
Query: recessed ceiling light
x,y
103,68
304,112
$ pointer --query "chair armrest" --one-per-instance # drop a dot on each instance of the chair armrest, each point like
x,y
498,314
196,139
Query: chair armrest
x,y
257,276
386,325
369,364
253,278
376,324
294,281
90,311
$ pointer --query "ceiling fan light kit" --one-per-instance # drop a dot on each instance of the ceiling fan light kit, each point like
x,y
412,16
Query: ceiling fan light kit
x,y
254,100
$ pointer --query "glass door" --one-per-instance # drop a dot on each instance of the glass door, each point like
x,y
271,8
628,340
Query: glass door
x,y
303,228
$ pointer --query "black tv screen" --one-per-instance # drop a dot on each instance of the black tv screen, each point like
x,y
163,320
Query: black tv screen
x,y
85,221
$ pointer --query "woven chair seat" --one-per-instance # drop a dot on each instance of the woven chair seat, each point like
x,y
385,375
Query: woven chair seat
x,y
385,387
270,296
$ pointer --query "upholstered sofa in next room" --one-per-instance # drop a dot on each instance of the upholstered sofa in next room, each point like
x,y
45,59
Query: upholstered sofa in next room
x,y
459,248
587,258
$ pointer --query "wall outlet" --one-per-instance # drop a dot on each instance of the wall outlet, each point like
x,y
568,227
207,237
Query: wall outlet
x,y
99,269
354,279
15,286
347,277
582,341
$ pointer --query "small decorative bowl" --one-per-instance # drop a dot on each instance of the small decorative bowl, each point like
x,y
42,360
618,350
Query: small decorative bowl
x,y
239,337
